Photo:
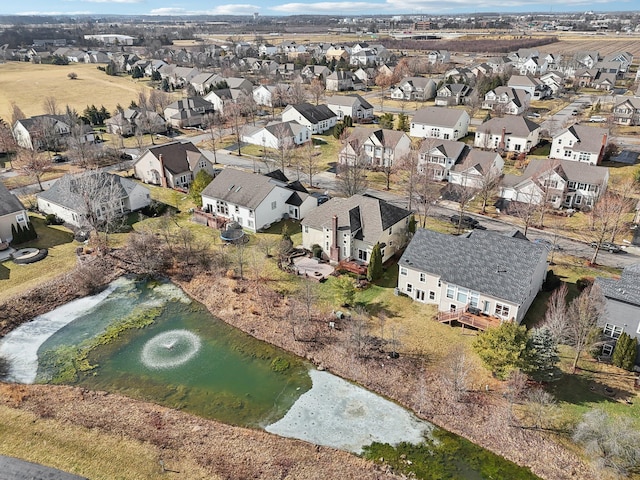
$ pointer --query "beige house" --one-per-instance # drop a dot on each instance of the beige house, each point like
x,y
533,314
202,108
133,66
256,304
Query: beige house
x,y
172,165
483,272
349,228
378,147
12,212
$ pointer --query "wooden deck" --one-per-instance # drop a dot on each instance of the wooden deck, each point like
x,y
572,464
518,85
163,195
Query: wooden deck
x,y
481,322
353,267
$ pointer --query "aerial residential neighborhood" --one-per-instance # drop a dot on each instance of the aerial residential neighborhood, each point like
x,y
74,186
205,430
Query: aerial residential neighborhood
x,y
280,242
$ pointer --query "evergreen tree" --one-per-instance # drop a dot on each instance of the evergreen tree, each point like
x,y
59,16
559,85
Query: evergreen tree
x,y
412,225
374,269
504,348
348,121
387,120
32,231
544,358
199,183
625,352
155,76
344,290
403,122
338,129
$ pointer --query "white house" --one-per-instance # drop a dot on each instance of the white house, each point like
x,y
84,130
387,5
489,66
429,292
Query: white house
x,y
276,134
318,118
271,95
627,111
172,165
188,112
437,122
482,272
437,157
558,183
580,143
506,100
255,201
414,88
349,228
510,134
532,85
73,195
352,105
378,147
12,213
47,132
477,167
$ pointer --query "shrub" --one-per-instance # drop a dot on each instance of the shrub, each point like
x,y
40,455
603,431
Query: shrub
x,y
584,282
316,250
53,219
551,282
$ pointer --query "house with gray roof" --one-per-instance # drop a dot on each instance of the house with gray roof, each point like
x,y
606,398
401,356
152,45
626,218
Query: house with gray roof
x,y
437,157
12,213
276,135
478,168
48,132
349,228
506,100
453,94
256,201
580,143
439,122
414,88
75,197
559,183
509,134
622,307
188,112
319,118
627,110
492,274
172,165
378,147
352,105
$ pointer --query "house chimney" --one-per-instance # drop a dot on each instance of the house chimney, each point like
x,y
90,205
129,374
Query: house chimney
x,y
502,144
603,146
334,251
163,178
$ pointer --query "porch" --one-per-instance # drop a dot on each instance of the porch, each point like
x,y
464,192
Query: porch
x,y
352,266
470,317
209,219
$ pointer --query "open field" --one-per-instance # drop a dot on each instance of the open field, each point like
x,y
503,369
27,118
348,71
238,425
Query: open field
x,y
605,44
28,85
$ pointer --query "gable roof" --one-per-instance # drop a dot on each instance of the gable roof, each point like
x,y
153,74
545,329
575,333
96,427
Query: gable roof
x,y
364,215
313,113
9,203
438,116
570,170
480,160
513,125
626,289
348,101
484,261
588,139
176,155
449,148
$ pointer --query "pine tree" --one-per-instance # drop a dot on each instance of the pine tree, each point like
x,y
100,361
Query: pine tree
x,y
625,352
544,356
32,231
374,269
504,348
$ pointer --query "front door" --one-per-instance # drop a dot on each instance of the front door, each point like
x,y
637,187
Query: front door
x,y
420,295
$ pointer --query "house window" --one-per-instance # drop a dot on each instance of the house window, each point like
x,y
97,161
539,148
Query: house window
x,y
613,331
250,223
423,277
390,230
474,299
306,229
502,310
584,157
607,350
403,271
462,295
274,205
237,209
451,291
432,295
409,288
420,295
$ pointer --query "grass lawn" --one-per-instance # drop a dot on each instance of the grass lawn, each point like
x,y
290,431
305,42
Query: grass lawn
x,y
91,87
16,278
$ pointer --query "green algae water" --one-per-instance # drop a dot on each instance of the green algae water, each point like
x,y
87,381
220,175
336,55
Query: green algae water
x,y
178,355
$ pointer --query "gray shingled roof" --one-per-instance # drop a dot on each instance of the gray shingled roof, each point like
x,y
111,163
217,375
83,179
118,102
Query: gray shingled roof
x,y
588,139
64,191
478,159
449,148
370,213
483,261
513,125
175,155
627,289
438,116
9,203
314,113
347,101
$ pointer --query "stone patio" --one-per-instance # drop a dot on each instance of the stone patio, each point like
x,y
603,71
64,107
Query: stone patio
x,y
310,267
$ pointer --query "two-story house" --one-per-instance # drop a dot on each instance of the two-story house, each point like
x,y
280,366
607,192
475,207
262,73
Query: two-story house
x,y
477,167
318,118
510,134
622,307
352,105
377,147
627,111
133,120
172,165
558,183
275,135
530,84
256,201
437,122
506,100
580,143
349,228
482,272
12,214
436,157
414,88
339,81
47,132
453,94
188,112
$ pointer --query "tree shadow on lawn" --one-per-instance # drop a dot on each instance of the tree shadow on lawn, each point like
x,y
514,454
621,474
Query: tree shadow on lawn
x,y
48,236
583,389
4,272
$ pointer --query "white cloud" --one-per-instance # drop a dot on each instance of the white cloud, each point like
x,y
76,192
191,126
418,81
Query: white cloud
x,y
114,1
230,9
437,6
328,7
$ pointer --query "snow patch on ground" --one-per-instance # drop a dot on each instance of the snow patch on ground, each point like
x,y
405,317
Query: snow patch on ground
x,y
339,414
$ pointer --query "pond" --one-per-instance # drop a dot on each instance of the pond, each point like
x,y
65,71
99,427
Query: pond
x,y
149,340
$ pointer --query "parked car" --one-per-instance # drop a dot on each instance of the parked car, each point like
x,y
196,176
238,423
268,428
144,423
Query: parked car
x,y
611,247
533,115
597,119
59,159
466,222
549,245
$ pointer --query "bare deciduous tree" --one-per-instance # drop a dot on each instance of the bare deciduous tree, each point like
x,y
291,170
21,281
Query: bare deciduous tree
x,y
526,212
352,176
457,373
297,93
583,315
7,142
316,89
285,144
16,113
605,218
540,409
147,251
310,161
50,106
33,164
555,318
384,81
488,186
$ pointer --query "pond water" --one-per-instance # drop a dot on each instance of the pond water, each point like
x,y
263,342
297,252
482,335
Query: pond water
x,y
151,341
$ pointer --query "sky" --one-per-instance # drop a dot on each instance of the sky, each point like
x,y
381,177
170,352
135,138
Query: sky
x,y
287,7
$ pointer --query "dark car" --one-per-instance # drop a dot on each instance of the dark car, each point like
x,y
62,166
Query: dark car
x,y
126,156
465,222
59,159
608,246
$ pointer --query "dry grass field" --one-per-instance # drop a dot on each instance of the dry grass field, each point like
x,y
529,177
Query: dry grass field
x,y
28,85
572,42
